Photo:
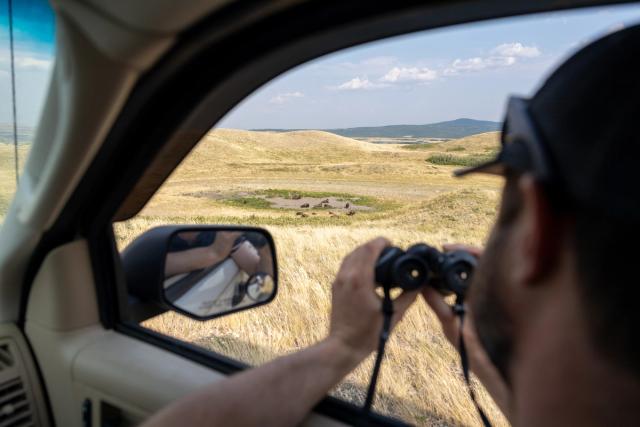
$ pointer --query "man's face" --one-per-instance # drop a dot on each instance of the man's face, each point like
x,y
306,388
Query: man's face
x,y
489,288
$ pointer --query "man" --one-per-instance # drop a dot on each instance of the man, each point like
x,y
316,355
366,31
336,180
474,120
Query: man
x,y
555,335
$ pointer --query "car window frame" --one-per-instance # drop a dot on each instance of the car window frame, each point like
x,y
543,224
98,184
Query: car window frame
x,y
93,221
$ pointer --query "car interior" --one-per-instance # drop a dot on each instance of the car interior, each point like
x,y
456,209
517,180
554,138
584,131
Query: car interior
x,y
134,87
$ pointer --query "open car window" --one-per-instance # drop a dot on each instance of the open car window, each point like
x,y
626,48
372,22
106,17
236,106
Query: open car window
x,y
30,28
354,145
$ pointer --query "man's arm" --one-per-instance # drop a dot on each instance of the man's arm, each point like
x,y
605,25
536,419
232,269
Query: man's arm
x,y
200,257
279,393
283,391
190,260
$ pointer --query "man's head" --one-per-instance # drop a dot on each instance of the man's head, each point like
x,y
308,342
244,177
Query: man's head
x,y
570,213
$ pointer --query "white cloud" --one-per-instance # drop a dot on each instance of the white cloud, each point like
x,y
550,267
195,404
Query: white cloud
x,y
281,98
409,74
27,63
515,50
478,63
469,64
503,55
31,63
358,83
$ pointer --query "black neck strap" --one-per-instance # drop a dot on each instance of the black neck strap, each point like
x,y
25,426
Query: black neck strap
x,y
460,311
387,312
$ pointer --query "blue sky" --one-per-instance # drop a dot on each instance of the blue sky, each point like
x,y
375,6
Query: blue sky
x,y
34,49
460,71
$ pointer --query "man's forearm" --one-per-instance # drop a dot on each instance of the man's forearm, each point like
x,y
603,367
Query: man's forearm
x,y
190,260
281,392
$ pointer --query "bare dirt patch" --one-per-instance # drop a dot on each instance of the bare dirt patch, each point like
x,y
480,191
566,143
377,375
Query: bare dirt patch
x,y
300,201
332,203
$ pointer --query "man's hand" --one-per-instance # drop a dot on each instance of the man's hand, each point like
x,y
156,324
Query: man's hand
x,y
223,243
356,316
478,359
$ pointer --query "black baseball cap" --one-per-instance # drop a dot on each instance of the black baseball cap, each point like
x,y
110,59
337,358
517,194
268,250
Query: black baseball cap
x,y
580,133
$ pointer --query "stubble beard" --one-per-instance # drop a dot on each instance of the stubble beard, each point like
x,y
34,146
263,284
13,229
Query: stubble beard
x,y
490,314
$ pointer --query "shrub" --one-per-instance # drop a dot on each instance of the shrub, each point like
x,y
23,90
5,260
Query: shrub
x,y
456,160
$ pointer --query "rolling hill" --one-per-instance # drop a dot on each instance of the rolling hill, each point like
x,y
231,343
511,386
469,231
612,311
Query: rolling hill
x,y
240,146
322,161
233,147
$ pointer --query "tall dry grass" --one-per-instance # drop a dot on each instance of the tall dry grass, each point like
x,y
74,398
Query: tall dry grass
x,y
8,173
420,379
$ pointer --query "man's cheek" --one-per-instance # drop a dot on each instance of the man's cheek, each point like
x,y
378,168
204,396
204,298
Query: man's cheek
x,y
486,281
479,282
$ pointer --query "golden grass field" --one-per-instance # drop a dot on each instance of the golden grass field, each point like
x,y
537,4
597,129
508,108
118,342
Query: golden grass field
x,y
414,201
8,174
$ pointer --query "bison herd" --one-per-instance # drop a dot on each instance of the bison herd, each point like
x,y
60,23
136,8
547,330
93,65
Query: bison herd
x,y
324,204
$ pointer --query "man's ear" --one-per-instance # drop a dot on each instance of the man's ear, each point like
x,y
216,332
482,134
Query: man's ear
x,y
540,232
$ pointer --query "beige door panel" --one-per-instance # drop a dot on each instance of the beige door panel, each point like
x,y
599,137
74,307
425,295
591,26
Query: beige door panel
x,y
145,377
123,378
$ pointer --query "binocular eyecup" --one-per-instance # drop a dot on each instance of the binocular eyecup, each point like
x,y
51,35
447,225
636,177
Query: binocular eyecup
x,y
423,265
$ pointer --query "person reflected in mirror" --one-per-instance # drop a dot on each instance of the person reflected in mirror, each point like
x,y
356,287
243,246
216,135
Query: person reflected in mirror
x,y
247,256
209,271
258,288
196,250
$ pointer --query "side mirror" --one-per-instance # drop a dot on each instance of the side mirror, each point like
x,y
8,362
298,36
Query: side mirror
x,y
202,271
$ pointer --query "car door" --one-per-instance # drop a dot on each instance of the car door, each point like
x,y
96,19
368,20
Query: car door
x,y
134,87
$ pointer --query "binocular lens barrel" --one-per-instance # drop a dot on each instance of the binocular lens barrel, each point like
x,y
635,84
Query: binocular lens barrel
x,y
409,272
421,265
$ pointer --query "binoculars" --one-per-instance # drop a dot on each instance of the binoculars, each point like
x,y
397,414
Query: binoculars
x,y
422,265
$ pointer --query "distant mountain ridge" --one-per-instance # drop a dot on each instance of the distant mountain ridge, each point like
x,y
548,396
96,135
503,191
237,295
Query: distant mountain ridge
x,y
458,128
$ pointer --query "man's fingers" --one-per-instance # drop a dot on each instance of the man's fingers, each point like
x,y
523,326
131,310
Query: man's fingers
x,y
401,304
367,253
375,248
358,266
438,304
444,313
364,258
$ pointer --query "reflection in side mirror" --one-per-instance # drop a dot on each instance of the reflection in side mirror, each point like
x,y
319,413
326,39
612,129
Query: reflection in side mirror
x,y
211,272
203,272
259,287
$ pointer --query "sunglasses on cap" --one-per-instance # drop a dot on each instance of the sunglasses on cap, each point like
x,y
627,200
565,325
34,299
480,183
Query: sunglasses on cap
x,y
521,147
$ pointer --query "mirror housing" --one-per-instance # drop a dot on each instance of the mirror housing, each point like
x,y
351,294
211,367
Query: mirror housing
x,y
203,272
